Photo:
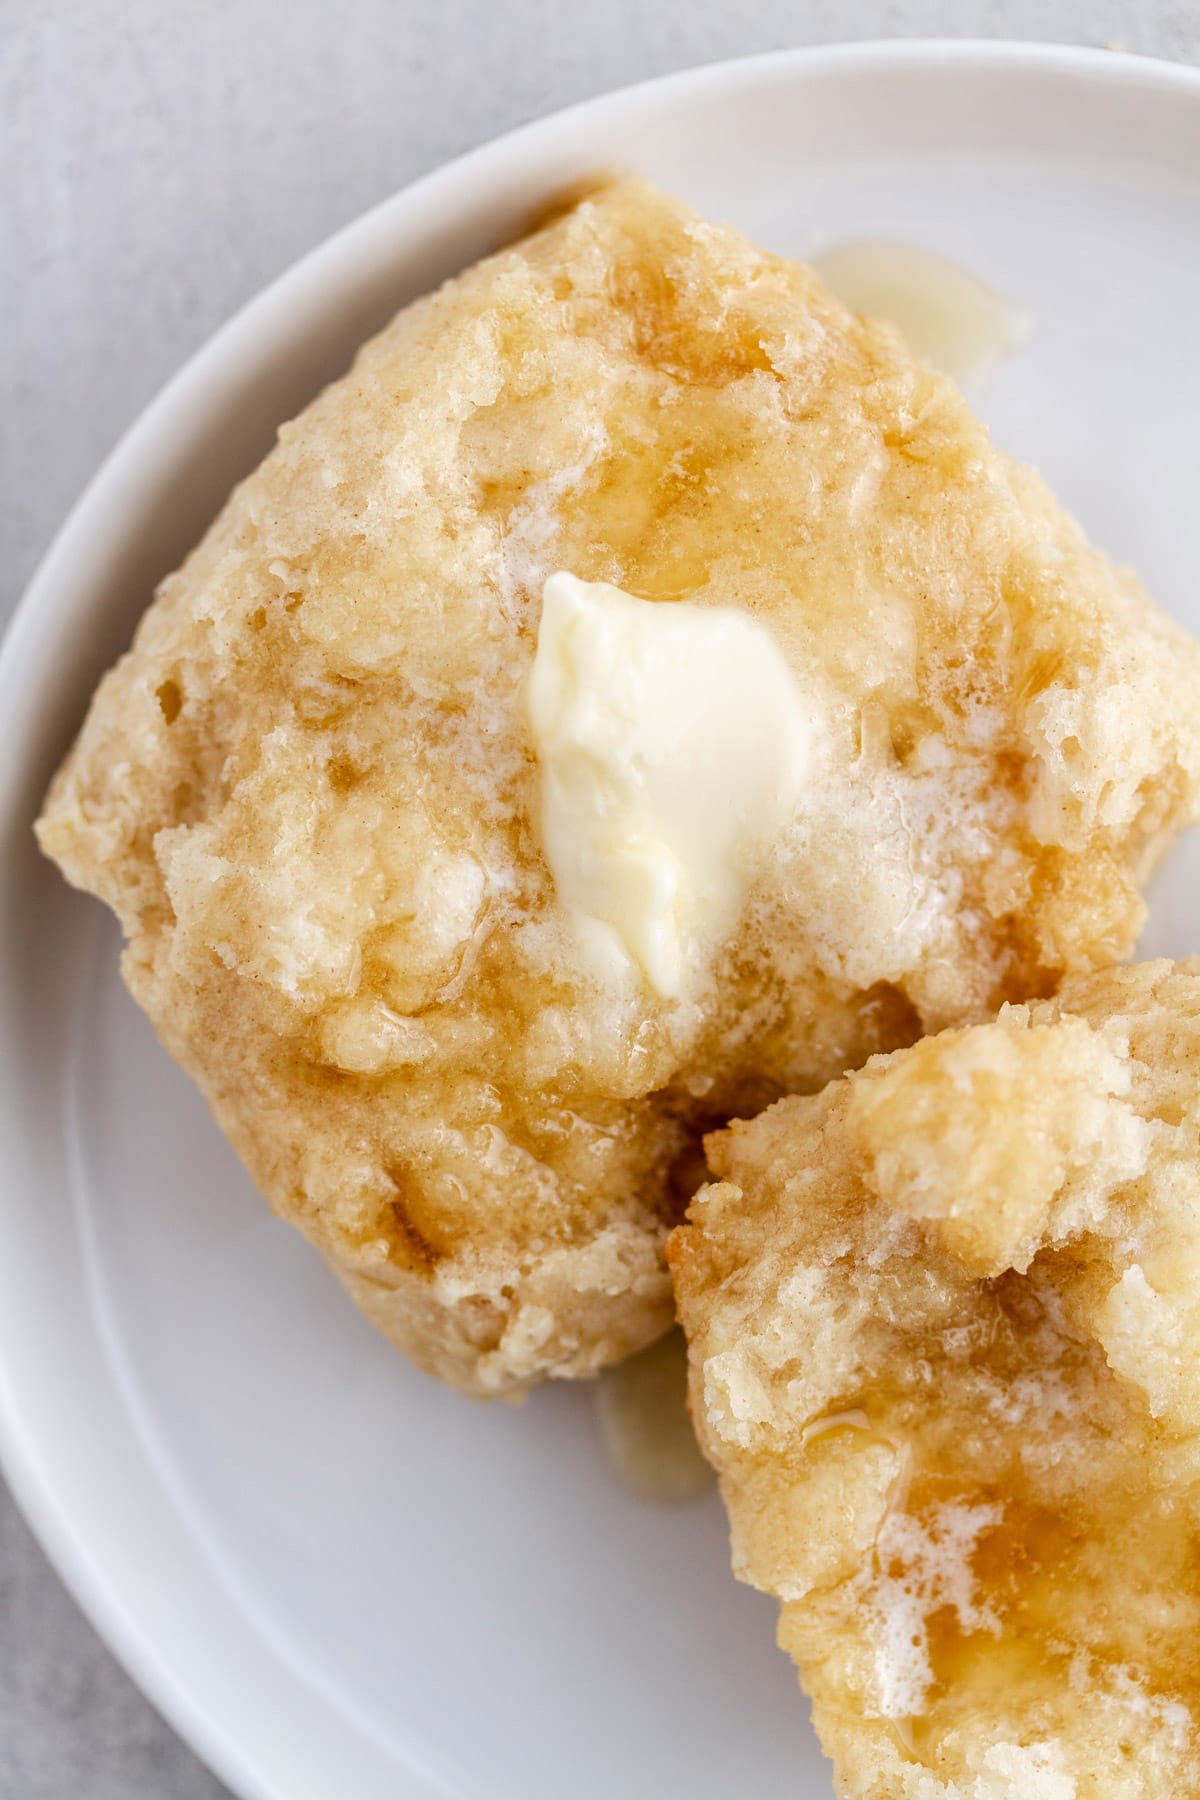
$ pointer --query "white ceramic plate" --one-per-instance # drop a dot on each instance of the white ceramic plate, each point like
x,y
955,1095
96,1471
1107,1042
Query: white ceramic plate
x,y
338,1580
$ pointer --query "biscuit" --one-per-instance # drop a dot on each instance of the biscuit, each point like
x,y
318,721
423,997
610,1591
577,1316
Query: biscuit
x,y
310,794
944,1330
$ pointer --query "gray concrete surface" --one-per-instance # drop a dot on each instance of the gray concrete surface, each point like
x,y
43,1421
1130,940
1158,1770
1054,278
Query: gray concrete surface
x,y
160,160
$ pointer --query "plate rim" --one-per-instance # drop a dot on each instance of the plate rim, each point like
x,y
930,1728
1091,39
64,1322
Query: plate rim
x,y
55,1518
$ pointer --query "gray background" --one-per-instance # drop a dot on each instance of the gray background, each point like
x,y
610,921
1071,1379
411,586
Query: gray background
x,y
160,160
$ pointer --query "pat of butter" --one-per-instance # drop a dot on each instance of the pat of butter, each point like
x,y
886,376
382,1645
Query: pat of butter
x,y
673,744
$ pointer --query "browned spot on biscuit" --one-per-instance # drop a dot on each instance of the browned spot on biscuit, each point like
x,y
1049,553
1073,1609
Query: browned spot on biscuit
x,y
170,700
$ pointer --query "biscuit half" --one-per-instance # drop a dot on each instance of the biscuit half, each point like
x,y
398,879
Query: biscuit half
x,y
944,1330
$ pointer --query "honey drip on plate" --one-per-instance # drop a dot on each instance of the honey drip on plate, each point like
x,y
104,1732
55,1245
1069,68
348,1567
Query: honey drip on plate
x,y
946,315
641,1405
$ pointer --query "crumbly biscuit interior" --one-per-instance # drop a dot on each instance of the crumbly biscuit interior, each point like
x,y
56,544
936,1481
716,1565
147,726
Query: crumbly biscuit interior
x,y
945,1352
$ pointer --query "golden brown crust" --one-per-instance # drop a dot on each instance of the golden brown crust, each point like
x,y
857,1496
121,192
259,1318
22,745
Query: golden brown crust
x,y
945,1356
308,789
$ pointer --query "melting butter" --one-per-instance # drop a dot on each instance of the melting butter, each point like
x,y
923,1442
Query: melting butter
x,y
947,316
641,1405
673,746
